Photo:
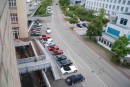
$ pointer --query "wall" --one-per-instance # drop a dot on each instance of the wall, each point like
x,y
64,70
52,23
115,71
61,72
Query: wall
x,y
118,28
22,18
125,17
9,76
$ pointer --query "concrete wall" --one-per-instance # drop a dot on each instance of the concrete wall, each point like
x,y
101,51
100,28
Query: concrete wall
x,y
9,76
22,18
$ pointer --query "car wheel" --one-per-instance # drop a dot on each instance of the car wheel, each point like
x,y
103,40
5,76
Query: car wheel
x,y
75,71
72,84
65,73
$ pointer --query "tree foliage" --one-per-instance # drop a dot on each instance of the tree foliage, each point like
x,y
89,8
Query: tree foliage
x,y
95,28
102,13
119,47
64,2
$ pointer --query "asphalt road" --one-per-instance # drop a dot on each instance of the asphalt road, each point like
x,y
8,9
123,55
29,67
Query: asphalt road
x,y
97,71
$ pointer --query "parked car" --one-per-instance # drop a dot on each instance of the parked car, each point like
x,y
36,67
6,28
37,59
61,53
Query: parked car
x,y
49,44
34,30
85,25
80,25
56,52
36,34
73,79
45,37
68,69
64,63
46,40
53,47
48,30
36,26
60,57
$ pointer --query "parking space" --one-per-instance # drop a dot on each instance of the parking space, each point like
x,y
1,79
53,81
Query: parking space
x,y
59,83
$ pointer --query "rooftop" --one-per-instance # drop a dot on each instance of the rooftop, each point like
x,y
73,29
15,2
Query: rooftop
x,y
2,6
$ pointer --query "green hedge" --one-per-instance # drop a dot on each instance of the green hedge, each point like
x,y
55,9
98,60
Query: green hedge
x,y
42,9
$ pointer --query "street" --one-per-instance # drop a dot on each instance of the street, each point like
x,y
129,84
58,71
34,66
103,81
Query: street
x,y
97,71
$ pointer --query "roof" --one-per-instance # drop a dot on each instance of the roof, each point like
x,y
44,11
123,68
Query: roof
x,y
2,6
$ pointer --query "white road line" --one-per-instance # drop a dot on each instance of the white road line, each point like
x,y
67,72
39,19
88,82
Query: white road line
x,y
83,84
76,53
74,60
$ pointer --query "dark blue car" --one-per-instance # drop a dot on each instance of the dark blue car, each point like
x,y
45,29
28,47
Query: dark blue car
x,y
71,80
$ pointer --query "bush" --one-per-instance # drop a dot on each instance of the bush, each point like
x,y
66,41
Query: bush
x,y
69,13
105,21
115,60
73,21
42,9
67,19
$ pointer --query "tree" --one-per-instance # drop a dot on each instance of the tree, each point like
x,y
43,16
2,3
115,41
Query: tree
x,y
64,2
101,13
95,28
119,47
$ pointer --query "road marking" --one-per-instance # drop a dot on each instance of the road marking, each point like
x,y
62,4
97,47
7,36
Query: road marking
x,y
75,63
83,84
76,53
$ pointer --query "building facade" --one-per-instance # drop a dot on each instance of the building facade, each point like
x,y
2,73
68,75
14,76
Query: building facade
x,y
115,29
79,2
9,76
18,15
112,7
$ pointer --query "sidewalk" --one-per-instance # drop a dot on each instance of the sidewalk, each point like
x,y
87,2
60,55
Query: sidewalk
x,y
104,53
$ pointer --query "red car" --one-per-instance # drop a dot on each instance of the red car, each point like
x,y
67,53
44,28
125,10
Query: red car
x,y
53,47
45,37
57,52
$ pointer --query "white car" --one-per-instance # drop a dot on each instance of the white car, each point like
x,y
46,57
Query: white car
x,y
48,30
68,69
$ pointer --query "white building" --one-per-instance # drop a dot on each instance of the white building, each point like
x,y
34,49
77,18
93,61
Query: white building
x,y
112,7
114,29
79,2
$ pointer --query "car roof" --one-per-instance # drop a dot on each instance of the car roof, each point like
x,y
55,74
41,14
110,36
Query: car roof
x,y
65,61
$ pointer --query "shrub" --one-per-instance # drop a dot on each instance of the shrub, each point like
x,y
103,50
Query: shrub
x,y
69,13
73,21
105,21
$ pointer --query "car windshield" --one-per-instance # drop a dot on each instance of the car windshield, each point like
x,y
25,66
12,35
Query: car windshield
x,y
66,68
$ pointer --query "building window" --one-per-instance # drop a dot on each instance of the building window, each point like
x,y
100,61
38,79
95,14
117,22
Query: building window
x,y
109,6
123,21
111,1
122,8
124,1
128,3
99,38
106,5
15,31
14,18
117,8
119,1
113,7
105,41
110,44
114,1
126,9
12,3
